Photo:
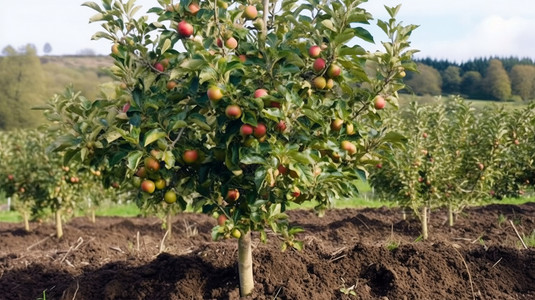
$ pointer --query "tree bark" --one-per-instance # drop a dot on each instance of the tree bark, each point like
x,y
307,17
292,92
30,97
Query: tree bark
x,y
245,265
450,216
26,220
93,218
59,227
424,222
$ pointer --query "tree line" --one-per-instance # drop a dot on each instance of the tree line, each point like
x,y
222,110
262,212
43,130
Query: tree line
x,y
494,78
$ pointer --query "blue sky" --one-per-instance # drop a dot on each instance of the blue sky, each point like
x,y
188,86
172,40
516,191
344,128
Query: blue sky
x,y
449,29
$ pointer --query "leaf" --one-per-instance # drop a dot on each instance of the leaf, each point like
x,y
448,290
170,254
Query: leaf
x,y
169,159
192,64
166,45
92,5
329,24
153,136
394,137
133,159
363,34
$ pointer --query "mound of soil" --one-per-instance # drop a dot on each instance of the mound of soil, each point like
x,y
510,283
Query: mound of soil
x,y
349,254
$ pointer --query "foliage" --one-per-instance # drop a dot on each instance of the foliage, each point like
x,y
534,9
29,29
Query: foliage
x,y
457,156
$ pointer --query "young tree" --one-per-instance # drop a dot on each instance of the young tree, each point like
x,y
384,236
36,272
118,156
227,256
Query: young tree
x,y
523,81
243,111
427,81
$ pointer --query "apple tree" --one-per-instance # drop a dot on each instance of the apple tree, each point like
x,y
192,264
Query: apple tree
x,y
241,108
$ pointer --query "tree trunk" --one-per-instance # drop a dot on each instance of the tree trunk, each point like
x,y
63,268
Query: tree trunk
x,y
26,220
245,264
450,216
424,222
93,218
59,227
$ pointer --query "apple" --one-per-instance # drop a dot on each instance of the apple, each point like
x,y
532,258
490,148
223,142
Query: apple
x,y
223,4
296,192
152,164
165,63
115,49
136,181
194,8
517,142
481,166
282,169
281,126
329,84
260,130
424,135
221,219
233,112
160,184
336,124
319,83
10,177
115,184
185,29
219,43
246,130
148,186
319,64
190,156
350,129
314,51
233,195
170,85
379,166
214,93
231,43
334,71
169,197
141,172
349,147
236,233
420,179
250,12
260,93
123,86
242,58
379,102
158,66
275,104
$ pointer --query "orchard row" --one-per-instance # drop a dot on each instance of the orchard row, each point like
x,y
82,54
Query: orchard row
x,y
456,155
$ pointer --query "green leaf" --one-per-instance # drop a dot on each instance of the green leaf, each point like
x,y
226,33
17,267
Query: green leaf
x,y
92,5
133,159
166,45
329,24
153,136
363,34
192,64
169,159
394,137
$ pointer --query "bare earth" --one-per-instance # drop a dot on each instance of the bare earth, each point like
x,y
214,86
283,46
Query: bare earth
x,y
480,258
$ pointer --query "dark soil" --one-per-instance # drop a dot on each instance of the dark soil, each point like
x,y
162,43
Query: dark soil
x,y
346,251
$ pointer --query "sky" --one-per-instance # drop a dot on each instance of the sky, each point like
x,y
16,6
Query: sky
x,y
457,30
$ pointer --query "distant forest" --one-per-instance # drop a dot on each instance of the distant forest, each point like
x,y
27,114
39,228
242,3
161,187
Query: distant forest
x,y
493,78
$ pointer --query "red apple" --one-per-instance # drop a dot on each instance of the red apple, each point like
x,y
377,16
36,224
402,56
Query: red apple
x,y
349,147
250,12
281,126
233,195
379,102
242,57
260,93
379,166
314,51
282,169
233,112
185,29
334,71
219,43
231,43
152,164
481,166
170,85
336,124
10,177
246,130
319,64
296,192
190,156
221,219
141,172
424,135
148,186
260,130
214,93
158,66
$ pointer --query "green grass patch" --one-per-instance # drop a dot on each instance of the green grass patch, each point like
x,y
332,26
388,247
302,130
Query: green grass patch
x,y
118,210
10,217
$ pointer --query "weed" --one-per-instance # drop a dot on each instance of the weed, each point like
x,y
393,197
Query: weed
x,y
529,240
501,219
349,290
392,245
